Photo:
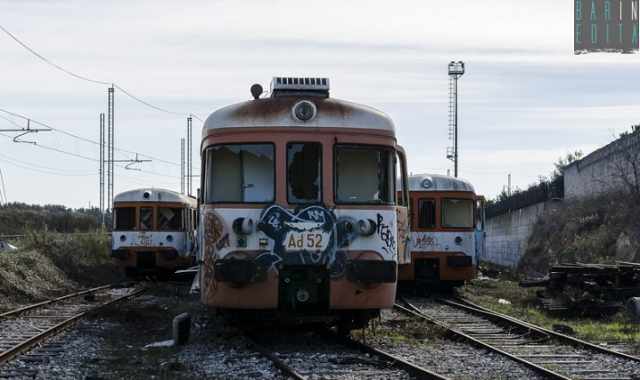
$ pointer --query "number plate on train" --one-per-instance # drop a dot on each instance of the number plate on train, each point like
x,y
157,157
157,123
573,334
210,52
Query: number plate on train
x,y
306,241
144,240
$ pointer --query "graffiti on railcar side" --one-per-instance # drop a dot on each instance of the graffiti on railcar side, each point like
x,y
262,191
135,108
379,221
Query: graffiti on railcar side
x,y
214,236
385,233
425,242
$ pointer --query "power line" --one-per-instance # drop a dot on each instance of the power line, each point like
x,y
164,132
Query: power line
x,y
76,155
82,138
84,78
70,173
44,171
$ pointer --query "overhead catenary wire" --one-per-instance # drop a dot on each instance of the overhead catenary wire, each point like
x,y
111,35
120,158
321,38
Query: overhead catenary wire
x,y
49,168
92,80
76,136
76,155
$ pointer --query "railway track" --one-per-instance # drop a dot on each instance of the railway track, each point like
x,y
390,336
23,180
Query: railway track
x,y
328,356
24,328
551,354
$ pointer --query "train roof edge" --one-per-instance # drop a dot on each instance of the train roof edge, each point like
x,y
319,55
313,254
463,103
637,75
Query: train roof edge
x,y
277,110
437,182
151,194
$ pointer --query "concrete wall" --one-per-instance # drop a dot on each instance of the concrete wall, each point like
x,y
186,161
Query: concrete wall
x,y
603,169
507,234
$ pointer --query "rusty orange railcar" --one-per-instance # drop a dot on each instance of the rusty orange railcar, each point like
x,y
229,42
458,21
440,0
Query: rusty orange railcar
x,y
153,232
447,232
299,213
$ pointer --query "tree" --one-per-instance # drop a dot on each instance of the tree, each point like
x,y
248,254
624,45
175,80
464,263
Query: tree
x,y
625,165
562,162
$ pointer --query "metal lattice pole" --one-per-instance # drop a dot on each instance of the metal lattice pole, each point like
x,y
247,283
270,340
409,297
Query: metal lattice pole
x,y
456,70
101,169
189,156
182,175
110,147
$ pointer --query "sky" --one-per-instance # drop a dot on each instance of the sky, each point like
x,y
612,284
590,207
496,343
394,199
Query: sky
x,y
525,99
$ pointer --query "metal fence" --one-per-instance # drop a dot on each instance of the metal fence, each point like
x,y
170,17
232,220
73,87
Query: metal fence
x,y
541,192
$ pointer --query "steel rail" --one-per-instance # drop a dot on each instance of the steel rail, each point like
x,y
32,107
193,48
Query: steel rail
x,y
20,348
474,308
53,300
277,362
413,369
415,312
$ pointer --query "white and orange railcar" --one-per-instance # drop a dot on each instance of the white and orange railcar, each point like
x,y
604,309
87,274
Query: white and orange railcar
x,y
299,214
153,232
447,232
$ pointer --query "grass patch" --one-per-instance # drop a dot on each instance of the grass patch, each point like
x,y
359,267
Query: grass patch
x,y
523,305
400,330
50,264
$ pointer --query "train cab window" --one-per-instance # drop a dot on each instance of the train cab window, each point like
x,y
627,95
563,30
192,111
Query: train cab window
x,y
169,219
304,172
457,213
146,218
240,173
426,213
364,175
125,218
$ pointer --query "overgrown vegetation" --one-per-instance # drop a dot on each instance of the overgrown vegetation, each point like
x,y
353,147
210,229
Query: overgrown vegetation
x,y
601,229
17,218
47,264
522,303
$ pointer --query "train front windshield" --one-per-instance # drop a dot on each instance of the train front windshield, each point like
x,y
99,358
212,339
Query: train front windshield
x,y
365,175
457,213
240,173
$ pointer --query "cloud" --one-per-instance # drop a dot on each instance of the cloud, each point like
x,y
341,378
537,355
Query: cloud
x,y
525,99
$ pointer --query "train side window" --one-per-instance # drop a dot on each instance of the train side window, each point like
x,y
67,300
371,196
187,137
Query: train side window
x,y
169,219
426,213
146,218
125,218
240,173
304,172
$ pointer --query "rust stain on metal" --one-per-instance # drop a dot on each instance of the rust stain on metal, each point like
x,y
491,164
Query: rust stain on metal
x,y
280,106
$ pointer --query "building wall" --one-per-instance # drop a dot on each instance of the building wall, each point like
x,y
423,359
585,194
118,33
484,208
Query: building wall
x,y
508,234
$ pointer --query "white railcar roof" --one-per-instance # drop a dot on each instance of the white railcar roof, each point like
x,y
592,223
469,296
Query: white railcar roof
x,y
437,182
277,112
155,195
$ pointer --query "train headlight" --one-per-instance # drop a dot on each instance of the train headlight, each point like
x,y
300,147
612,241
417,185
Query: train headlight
x,y
243,226
366,227
123,238
169,238
304,110
458,240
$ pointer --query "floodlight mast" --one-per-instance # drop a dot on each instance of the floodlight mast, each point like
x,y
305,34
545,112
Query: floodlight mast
x,y
456,70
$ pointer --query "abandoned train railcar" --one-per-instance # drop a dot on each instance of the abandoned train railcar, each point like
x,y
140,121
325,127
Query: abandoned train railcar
x,y
299,215
153,231
447,232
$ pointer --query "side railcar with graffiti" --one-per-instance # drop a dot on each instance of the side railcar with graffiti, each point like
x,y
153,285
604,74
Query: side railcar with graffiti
x,y
299,213
447,232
